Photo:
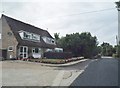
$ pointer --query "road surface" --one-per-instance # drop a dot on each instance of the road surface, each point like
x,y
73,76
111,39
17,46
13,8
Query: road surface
x,y
97,72
102,72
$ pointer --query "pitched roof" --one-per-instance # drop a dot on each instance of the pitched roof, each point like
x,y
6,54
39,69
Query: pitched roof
x,y
17,25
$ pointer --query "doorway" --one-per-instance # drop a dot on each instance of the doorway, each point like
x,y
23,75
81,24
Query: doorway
x,y
23,52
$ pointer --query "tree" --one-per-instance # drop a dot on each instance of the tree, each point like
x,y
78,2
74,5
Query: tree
x,y
107,49
56,35
79,44
118,50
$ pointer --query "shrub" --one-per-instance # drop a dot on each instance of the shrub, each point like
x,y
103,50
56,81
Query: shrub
x,y
60,55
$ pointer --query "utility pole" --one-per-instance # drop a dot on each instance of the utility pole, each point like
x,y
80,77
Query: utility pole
x,y
118,38
118,8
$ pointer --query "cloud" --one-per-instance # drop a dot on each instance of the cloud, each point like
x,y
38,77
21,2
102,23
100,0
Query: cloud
x,y
65,17
60,0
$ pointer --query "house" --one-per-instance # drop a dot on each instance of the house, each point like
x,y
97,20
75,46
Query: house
x,y
22,40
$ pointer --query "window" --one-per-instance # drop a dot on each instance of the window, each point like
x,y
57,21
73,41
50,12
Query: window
x,y
35,50
9,33
48,40
25,49
53,41
35,37
10,48
49,50
29,36
21,49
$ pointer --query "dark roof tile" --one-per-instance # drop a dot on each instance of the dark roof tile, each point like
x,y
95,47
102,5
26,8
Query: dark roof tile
x,y
17,26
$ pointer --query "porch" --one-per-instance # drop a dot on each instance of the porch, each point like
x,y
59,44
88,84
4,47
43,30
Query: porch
x,y
31,52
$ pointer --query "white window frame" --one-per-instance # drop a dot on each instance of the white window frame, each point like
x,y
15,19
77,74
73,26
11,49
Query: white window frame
x,y
39,49
48,40
33,36
23,51
10,47
37,37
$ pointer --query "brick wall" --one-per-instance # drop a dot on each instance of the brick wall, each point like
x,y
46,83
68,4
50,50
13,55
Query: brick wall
x,y
7,39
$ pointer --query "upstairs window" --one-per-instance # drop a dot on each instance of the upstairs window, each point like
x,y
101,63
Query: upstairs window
x,y
48,40
9,33
29,36
35,37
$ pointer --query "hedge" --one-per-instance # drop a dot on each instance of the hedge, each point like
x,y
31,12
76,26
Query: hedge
x,y
58,55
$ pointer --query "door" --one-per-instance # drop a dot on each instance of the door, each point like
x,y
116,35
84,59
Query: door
x,y
23,52
3,54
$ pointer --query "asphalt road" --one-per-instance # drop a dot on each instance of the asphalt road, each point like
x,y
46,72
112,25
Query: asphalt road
x,y
76,67
99,72
102,72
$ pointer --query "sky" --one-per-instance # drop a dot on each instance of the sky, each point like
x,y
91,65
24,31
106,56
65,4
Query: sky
x,y
100,18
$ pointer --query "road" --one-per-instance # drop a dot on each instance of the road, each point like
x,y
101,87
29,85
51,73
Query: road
x,y
102,72
97,72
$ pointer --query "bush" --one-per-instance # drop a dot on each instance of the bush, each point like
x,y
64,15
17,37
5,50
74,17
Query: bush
x,y
115,55
56,55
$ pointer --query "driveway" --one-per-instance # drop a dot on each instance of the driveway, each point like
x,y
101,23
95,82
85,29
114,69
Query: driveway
x,y
20,73
23,73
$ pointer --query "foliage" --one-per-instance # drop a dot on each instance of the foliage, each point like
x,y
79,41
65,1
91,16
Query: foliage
x,y
118,50
86,45
107,49
56,35
79,44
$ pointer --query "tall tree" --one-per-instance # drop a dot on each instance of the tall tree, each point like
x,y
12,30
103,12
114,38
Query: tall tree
x,y
79,44
107,49
56,36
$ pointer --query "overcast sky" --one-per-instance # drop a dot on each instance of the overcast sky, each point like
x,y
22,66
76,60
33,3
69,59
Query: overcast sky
x,y
68,16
